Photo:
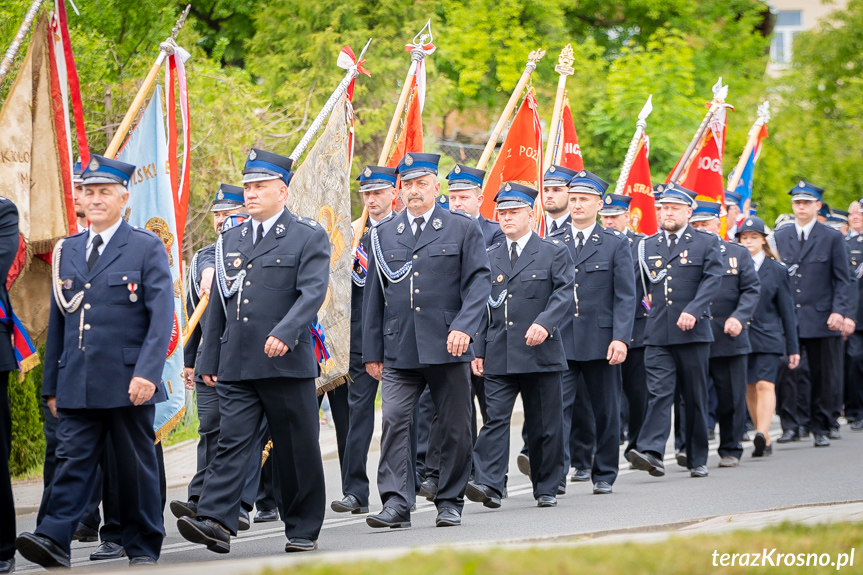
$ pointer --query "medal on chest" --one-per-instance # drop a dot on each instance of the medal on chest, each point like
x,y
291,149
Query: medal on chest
x,y
683,255
133,287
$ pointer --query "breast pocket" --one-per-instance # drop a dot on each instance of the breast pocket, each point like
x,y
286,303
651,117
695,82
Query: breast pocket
x,y
119,293
396,258
391,339
730,281
597,274
535,284
279,271
691,270
445,258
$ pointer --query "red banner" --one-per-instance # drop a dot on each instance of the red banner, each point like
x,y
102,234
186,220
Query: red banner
x,y
570,156
642,209
520,156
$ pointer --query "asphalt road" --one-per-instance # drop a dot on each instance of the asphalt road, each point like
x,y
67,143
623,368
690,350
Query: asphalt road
x,y
796,474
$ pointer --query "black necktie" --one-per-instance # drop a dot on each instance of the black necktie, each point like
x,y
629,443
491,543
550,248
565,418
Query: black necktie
x,y
513,254
672,238
802,239
554,227
260,235
94,252
419,222
579,243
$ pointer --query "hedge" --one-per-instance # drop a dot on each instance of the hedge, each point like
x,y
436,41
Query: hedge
x,y
28,440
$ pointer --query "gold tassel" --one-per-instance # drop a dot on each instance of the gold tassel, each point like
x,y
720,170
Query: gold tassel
x,y
163,432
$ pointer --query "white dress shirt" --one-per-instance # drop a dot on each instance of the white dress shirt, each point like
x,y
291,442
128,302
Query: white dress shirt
x,y
585,232
758,259
268,223
106,237
519,243
805,230
678,233
426,219
549,221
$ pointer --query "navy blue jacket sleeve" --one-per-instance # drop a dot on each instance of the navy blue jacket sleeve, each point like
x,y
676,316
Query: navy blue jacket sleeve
x,y
750,289
212,330
840,275
624,293
563,279
710,279
785,305
373,314
475,282
159,301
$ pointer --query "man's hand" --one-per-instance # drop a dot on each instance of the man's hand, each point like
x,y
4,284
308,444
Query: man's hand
x,y
835,322
616,352
375,369
733,327
189,377
209,379
793,360
849,325
52,405
141,390
275,347
686,321
476,367
457,343
536,334
207,280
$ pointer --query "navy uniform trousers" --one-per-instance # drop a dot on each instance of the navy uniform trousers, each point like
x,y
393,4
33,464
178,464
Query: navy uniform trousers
x,y
7,500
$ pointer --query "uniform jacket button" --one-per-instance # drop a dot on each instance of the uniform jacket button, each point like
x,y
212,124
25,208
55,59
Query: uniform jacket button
x,y
248,283
417,308
125,278
87,326
86,306
245,301
245,320
296,342
87,286
415,256
249,266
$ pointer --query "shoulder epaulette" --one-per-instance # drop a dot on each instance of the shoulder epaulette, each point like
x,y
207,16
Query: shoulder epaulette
x,y
493,246
308,221
462,213
552,241
613,232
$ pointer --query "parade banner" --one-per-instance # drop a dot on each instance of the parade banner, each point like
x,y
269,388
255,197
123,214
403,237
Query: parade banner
x,y
151,207
568,153
320,190
744,184
520,155
36,174
642,209
704,173
740,178
411,137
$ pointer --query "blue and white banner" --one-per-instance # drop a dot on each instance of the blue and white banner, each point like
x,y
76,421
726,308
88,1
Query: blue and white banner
x,y
151,207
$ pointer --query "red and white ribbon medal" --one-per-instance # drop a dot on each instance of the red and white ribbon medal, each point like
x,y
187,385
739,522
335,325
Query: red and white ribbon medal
x,y
133,297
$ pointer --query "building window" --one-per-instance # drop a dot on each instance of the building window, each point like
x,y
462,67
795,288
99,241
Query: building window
x,y
788,24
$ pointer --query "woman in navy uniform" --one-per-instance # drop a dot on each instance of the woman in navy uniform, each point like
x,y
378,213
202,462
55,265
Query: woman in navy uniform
x,y
519,350
110,323
773,319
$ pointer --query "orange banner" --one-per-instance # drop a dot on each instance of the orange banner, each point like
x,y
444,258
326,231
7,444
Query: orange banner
x,y
570,157
642,210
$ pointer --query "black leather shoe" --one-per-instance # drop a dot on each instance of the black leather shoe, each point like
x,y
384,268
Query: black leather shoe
x,y
479,493
141,560
266,515
7,566
348,503
184,508
84,534
205,532
447,517
602,488
108,550
680,456
523,463
803,432
243,522
296,544
834,433
822,441
42,551
647,462
788,436
580,475
389,517
561,488
759,443
700,471
857,425
428,489
546,501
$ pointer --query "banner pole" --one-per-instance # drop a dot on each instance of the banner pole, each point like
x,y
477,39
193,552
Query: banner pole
x,y
629,159
565,69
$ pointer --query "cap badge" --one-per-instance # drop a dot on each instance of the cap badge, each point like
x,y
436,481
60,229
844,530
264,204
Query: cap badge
x,y
367,172
94,165
253,154
551,169
220,195
442,199
749,222
582,174
507,187
457,169
409,160
608,199
801,184
437,224
400,228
